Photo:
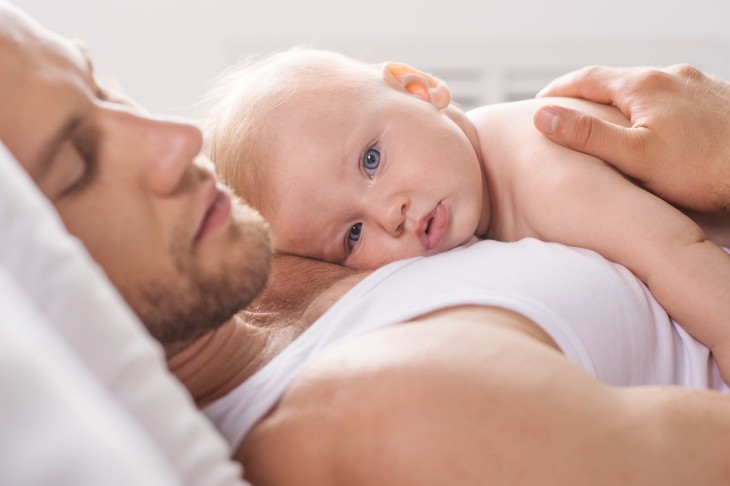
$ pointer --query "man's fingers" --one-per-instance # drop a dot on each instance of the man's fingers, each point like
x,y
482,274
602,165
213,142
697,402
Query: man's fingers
x,y
595,83
617,145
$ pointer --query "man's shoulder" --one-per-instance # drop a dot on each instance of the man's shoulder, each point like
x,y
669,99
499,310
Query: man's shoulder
x,y
403,392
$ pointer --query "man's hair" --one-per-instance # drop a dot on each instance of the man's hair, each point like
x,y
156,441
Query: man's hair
x,y
239,104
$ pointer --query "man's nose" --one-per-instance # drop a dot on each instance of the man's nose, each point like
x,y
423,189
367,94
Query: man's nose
x,y
392,215
167,149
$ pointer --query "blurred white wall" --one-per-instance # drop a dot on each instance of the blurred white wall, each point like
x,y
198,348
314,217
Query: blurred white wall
x,y
162,52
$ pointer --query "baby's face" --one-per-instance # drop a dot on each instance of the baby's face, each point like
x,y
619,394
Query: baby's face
x,y
369,174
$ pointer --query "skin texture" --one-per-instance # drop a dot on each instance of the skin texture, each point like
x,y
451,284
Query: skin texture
x,y
677,145
132,186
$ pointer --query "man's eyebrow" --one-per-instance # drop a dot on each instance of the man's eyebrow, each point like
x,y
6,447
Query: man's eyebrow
x,y
84,50
99,90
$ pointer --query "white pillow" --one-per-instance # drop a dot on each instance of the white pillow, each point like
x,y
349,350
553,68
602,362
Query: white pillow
x,y
71,292
58,425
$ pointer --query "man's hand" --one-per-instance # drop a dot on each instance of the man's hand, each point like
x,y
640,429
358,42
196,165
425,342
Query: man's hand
x,y
679,143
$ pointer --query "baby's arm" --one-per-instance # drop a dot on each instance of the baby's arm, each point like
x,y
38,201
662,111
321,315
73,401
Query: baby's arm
x,y
580,201
544,190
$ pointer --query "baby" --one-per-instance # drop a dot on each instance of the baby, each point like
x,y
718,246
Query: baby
x,y
361,165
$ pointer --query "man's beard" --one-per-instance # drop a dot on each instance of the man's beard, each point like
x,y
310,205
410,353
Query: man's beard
x,y
196,302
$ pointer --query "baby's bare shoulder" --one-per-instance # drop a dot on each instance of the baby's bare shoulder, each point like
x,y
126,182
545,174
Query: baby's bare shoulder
x,y
522,111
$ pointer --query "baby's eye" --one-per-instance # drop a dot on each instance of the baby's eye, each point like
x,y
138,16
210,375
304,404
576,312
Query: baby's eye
x,y
354,234
371,161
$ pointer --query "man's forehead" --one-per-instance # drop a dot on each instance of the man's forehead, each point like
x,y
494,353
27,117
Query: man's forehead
x,y
13,21
19,33
22,35
14,34
40,74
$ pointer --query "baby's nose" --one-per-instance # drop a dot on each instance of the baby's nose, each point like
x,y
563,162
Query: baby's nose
x,y
394,216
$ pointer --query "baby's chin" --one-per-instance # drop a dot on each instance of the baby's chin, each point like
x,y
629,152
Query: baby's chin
x,y
457,242
469,241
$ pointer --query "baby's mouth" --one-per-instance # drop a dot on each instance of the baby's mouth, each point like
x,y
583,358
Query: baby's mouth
x,y
428,225
432,227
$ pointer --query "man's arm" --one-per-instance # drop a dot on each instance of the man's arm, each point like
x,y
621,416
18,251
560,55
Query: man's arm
x,y
468,396
679,143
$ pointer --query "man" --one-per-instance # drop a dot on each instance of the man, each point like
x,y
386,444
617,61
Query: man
x,y
182,253
183,245
133,187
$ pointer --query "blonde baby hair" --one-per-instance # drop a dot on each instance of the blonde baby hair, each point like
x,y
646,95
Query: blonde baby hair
x,y
239,103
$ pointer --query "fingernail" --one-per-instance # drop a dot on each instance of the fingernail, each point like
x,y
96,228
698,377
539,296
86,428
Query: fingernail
x,y
547,120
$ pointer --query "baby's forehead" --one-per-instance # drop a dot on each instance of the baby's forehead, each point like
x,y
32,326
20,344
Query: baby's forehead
x,y
315,59
315,103
312,70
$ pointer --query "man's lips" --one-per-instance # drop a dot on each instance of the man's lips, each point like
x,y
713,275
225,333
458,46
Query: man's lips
x,y
217,212
432,227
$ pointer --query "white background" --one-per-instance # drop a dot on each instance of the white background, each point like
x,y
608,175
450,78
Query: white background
x,y
162,52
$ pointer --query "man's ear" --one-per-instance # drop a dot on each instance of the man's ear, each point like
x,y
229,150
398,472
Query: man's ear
x,y
427,87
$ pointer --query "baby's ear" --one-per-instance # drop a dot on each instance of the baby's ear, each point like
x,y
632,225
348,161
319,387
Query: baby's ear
x,y
427,87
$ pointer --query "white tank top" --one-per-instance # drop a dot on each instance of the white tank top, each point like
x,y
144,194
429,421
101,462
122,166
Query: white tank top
x,y
600,315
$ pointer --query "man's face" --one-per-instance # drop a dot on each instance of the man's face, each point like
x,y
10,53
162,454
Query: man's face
x,y
133,187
